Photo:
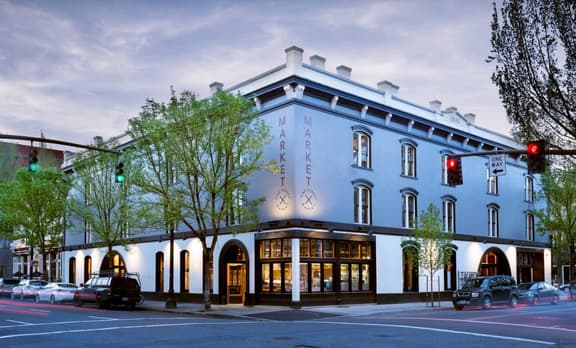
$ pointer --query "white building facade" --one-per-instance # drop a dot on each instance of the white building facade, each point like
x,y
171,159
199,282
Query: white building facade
x,y
357,165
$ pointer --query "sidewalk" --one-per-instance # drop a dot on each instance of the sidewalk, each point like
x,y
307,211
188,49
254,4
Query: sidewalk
x,y
239,311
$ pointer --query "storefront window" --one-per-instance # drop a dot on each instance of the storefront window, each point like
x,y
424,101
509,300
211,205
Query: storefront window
x,y
366,251
355,250
344,278
344,250
328,278
315,248
316,277
276,277
276,246
287,248
304,277
355,277
304,248
365,277
328,249
265,249
266,277
288,277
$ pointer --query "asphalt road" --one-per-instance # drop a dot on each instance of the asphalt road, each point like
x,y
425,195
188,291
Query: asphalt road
x,y
27,324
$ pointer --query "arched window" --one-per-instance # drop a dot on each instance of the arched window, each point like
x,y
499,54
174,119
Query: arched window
x,y
449,214
409,209
493,218
409,267
361,149
491,183
184,271
72,270
159,272
362,204
409,160
87,268
450,272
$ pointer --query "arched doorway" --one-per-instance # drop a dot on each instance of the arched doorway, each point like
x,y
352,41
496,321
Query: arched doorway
x,y
113,263
494,262
233,273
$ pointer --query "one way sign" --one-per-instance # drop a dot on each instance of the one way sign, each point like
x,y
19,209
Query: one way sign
x,y
497,165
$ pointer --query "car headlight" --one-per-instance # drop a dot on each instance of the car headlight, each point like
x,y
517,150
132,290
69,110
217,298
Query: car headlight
x,y
475,294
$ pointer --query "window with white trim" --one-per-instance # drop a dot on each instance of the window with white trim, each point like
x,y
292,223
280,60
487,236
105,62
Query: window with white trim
x,y
362,204
492,183
529,189
361,149
493,217
530,226
409,206
408,160
448,215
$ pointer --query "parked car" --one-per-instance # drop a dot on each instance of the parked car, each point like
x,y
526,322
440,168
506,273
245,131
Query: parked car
x,y
107,290
538,292
27,288
486,291
6,286
56,292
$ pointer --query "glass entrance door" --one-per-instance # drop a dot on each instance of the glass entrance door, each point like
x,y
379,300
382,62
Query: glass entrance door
x,y
236,283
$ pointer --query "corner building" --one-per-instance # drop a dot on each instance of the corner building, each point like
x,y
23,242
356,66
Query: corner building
x,y
357,164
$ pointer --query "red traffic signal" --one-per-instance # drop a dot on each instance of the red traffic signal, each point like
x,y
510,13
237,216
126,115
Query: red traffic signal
x,y
536,156
454,171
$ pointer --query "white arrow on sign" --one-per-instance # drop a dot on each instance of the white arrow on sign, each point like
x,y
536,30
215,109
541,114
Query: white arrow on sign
x,y
497,165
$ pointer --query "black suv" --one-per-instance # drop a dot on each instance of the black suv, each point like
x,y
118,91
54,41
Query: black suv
x,y
485,291
106,290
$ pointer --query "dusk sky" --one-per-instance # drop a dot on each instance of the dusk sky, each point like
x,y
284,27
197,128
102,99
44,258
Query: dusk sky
x,y
81,68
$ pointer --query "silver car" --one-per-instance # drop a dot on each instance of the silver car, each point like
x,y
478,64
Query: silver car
x,y
27,288
56,292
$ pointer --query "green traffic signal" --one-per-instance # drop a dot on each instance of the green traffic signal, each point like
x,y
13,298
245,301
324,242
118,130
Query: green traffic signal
x,y
33,165
120,173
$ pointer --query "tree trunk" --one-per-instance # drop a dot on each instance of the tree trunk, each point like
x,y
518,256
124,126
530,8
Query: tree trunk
x,y
171,301
206,260
431,289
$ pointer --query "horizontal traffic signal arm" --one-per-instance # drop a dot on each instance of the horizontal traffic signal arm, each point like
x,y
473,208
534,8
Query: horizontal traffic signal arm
x,y
58,142
513,152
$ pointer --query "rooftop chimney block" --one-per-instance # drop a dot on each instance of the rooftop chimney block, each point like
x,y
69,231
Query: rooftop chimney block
x,y
215,87
293,56
436,105
388,87
317,61
344,71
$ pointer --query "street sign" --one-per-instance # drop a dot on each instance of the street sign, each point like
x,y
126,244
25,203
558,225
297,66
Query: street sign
x,y
497,165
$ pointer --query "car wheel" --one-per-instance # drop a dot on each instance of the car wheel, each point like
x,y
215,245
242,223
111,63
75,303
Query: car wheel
x,y
535,300
458,307
99,302
555,299
131,305
37,298
52,299
513,301
486,302
77,301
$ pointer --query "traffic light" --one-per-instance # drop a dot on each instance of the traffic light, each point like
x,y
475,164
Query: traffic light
x,y
536,151
120,172
454,169
33,165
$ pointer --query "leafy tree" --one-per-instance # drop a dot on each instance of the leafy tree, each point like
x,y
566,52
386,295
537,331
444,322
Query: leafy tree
x,y
99,204
153,174
35,205
433,247
216,143
535,53
558,188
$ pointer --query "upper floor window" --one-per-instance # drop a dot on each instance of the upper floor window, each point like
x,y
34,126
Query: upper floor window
x,y
362,204
492,183
444,169
529,189
409,206
361,149
408,160
448,215
529,226
493,213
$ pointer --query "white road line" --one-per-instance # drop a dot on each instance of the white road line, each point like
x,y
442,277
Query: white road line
x,y
102,318
552,328
509,338
18,322
121,328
